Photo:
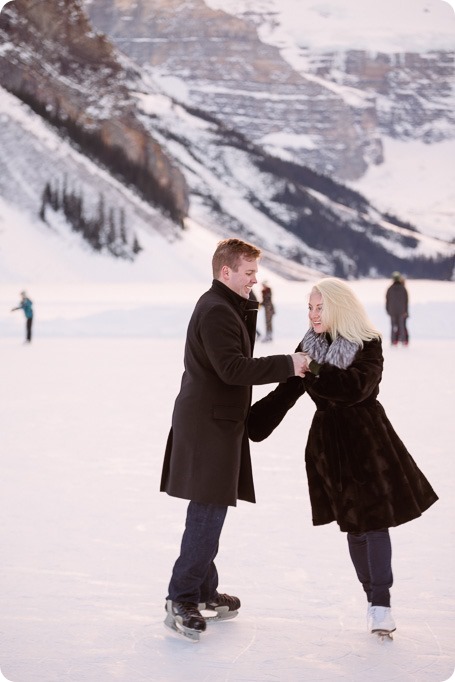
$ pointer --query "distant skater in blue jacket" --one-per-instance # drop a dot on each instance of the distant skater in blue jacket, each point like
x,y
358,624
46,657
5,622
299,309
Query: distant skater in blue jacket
x,y
27,306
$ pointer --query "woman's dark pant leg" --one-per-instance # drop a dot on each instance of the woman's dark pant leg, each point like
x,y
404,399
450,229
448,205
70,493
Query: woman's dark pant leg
x,y
380,561
371,554
358,551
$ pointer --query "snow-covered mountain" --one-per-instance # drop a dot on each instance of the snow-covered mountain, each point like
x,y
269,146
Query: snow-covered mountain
x,y
399,58
402,55
92,101
339,85
36,155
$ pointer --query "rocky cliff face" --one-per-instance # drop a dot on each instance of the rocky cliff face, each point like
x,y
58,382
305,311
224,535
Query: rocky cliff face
x,y
51,57
230,73
413,92
332,115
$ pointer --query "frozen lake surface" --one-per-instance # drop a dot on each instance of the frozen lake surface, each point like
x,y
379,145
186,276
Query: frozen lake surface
x,y
88,542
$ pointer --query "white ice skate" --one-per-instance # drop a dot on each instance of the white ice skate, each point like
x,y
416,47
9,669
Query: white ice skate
x,y
380,621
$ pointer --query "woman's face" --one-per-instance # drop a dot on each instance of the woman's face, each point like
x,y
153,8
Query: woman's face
x,y
315,312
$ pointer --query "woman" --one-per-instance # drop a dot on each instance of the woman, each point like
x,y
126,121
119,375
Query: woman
x,y
359,471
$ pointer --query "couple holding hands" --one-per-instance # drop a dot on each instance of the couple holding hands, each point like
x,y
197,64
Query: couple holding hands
x,y
360,474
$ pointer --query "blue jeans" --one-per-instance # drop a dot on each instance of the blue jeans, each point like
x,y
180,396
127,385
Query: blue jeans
x,y
194,577
371,554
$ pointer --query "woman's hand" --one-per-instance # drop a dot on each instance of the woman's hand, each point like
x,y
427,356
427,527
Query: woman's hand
x,y
308,359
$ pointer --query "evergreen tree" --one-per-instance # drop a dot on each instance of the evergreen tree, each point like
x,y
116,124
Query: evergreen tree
x,y
123,236
101,232
45,201
111,232
136,246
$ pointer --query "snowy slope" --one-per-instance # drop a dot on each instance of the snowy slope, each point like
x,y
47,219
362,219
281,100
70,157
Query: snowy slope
x,y
229,195
417,181
33,154
33,250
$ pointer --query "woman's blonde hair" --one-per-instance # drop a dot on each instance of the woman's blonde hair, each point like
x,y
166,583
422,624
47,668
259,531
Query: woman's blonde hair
x,y
342,312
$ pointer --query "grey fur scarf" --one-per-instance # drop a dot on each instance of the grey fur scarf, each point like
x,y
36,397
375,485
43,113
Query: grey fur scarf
x,y
340,352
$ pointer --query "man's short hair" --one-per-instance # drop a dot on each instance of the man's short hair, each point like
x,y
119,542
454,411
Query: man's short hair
x,y
230,251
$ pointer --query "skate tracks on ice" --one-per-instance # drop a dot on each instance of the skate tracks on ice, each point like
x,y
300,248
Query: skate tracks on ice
x,y
293,649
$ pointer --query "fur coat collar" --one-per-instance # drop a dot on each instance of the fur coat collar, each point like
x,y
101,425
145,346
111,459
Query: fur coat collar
x,y
319,347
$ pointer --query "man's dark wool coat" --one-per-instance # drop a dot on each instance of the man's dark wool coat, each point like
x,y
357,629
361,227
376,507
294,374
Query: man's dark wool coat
x,y
360,474
207,457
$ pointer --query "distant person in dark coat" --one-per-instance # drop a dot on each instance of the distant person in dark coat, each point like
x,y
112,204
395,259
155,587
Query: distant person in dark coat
x,y
360,473
269,311
27,306
396,303
207,459
254,298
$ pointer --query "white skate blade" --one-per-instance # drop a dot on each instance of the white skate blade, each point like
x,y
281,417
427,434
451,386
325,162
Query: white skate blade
x,y
218,613
175,626
224,615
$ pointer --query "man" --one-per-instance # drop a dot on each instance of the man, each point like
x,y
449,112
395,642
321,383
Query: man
x,y
397,307
27,306
207,459
269,311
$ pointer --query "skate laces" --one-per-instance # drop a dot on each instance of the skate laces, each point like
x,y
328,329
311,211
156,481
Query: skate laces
x,y
186,608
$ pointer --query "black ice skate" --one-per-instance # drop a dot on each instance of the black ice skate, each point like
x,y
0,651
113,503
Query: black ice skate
x,y
184,618
221,607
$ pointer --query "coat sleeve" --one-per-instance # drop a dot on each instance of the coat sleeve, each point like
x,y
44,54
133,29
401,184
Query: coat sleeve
x,y
267,413
221,334
352,385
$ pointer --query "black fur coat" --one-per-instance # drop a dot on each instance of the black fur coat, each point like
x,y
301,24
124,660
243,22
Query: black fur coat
x,y
360,474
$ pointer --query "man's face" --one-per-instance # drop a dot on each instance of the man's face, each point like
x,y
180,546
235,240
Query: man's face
x,y
243,279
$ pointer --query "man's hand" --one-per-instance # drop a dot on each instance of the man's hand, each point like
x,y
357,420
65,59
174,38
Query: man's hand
x,y
300,364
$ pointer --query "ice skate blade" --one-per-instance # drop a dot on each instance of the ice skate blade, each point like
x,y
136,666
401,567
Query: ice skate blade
x,y
172,624
383,634
217,612
220,613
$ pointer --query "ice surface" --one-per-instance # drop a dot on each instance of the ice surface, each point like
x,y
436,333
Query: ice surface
x,y
88,542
